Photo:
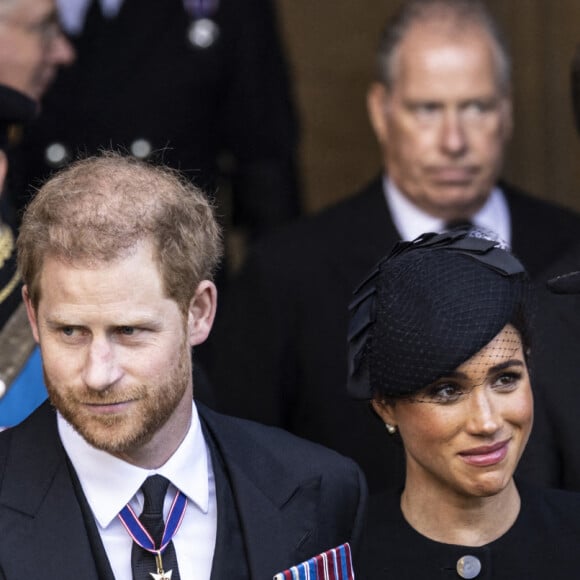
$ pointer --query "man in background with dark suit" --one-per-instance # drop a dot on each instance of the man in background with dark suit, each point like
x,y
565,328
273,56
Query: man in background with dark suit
x,y
117,257
201,84
32,49
441,111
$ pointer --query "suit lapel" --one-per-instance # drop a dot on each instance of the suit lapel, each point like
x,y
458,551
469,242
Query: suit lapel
x,y
368,236
541,232
277,510
526,222
376,220
38,506
373,232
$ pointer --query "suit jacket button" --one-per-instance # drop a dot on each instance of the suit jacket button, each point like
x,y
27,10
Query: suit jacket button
x,y
202,33
468,567
141,148
56,154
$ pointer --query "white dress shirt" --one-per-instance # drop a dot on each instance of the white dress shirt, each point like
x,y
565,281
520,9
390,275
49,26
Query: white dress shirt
x,y
74,12
411,221
110,483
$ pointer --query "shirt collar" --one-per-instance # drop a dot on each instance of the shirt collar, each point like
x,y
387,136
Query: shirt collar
x,y
109,483
411,221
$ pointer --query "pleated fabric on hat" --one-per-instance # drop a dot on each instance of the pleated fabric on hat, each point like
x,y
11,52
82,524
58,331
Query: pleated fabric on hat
x,y
427,308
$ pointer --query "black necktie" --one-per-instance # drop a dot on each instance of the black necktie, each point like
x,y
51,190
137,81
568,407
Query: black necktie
x,y
142,561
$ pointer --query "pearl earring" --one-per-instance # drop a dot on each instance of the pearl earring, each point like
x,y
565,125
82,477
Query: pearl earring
x,y
392,429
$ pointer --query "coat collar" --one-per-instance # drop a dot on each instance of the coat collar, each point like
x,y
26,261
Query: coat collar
x,y
370,213
38,505
355,234
277,507
39,437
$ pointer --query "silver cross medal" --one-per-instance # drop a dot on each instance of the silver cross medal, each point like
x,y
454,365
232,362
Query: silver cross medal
x,y
161,575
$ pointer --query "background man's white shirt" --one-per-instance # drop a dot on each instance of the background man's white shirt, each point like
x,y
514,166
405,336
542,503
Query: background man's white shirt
x,y
411,221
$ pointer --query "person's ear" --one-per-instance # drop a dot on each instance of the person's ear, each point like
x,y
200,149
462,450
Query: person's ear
x,y
3,170
387,413
31,312
201,314
507,118
377,103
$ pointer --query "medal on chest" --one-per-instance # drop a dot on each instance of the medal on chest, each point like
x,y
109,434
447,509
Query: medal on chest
x,y
161,574
141,536
203,30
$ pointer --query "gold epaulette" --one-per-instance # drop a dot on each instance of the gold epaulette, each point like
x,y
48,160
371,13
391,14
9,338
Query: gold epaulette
x,y
16,345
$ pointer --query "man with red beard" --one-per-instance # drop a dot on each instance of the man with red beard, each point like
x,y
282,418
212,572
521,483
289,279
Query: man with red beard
x,y
117,258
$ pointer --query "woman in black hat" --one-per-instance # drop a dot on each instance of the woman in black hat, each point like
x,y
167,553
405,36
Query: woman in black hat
x,y
439,343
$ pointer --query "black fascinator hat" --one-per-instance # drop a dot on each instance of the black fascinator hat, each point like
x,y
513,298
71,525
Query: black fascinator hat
x,y
428,307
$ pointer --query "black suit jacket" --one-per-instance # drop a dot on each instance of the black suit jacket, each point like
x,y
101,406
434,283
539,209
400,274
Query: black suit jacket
x,y
278,352
138,77
552,457
294,499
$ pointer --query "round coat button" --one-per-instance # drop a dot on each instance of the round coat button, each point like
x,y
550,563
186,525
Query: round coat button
x,y
141,148
56,154
468,567
203,33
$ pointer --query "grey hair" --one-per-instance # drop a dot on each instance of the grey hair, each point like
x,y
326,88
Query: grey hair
x,y
456,12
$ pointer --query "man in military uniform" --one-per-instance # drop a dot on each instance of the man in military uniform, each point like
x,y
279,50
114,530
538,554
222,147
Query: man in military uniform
x,y
21,385
32,48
